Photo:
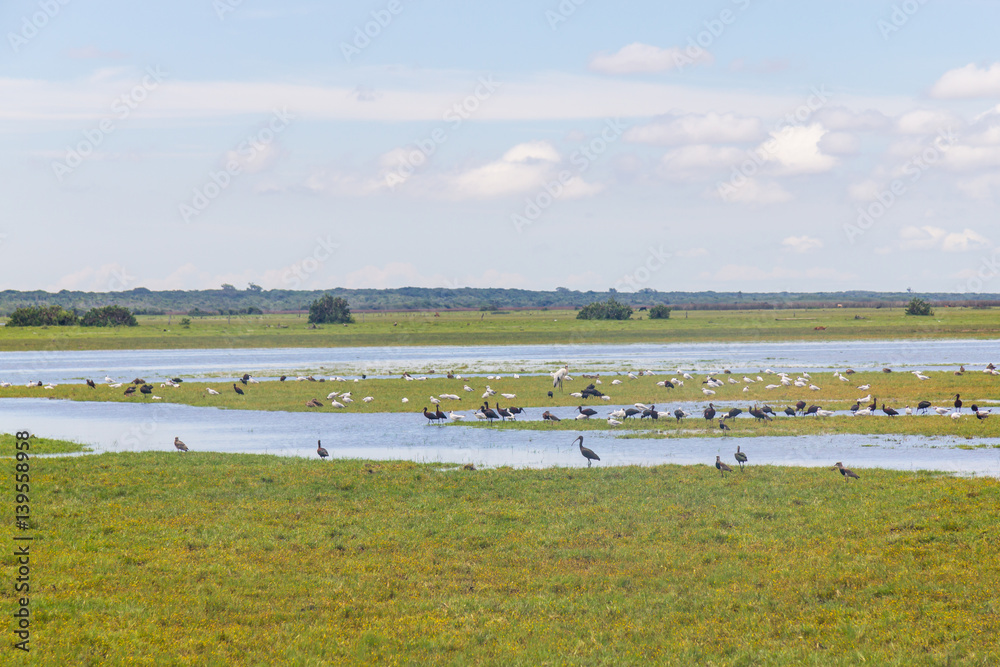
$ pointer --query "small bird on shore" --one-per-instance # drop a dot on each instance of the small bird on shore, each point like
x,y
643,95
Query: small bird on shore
x,y
587,453
846,472
722,425
179,444
237,389
321,450
721,467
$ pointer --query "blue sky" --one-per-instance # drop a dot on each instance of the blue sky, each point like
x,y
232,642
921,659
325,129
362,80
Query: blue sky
x,y
734,145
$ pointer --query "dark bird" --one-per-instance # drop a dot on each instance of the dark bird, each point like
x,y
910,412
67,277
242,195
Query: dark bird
x,y
846,472
758,414
886,370
813,409
632,412
679,414
516,411
590,412
440,415
800,406
668,385
709,412
768,409
923,405
652,413
889,411
958,402
587,453
313,403
741,458
320,450
180,445
982,414
490,415
790,412
282,378
243,380
237,389
550,394
90,383
138,381
504,412
722,425
130,390
734,413
721,467
146,389
177,380
246,376
431,416
548,416
873,406
855,407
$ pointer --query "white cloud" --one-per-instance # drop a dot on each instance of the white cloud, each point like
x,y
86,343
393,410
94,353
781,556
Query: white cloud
x,y
926,121
864,191
522,168
840,143
935,238
968,82
801,243
796,149
841,118
638,57
710,128
962,157
756,192
681,160
981,187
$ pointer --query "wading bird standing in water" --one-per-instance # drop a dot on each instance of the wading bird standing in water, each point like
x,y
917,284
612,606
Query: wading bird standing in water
x,y
587,453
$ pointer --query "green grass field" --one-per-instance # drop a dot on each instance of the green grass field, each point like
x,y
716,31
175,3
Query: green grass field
x,y
212,559
512,328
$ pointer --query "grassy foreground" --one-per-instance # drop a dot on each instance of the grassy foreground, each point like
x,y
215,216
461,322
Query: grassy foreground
x,y
531,327
40,446
214,559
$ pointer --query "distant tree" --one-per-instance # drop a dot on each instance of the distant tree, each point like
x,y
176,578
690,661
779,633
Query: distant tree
x,y
226,287
605,310
252,287
659,312
109,316
918,306
186,322
330,310
612,290
42,316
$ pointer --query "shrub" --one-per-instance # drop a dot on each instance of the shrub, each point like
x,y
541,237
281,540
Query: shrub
x,y
918,307
660,312
42,316
605,310
330,310
109,316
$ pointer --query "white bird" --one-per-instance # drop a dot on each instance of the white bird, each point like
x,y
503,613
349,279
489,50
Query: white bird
x,y
613,422
605,398
772,386
435,401
616,382
480,414
211,391
865,387
467,388
108,379
253,381
486,394
577,394
824,413
844,378
942,411
863,413
582,416
746,389
642,406
50,386
516,376
956,415
760,379
748,380
908,410
509,397
922,377
368,399
805,375
337,404
618,414
490,391
800,383
455,416
768,371
814,387
708,392
633,376
598,382
733,381
687,376
865,399
5,384
116,386
156,398
785,382
406,400
559,376
332,395
347,399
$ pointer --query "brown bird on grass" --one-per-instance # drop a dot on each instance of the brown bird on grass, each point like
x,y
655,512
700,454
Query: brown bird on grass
x,y
846,472
130,390
548,416
587,453
91,384
320,450
237,389
180,445
721,467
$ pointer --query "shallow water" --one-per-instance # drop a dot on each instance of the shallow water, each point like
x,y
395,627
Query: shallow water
x,y
120,427
790,356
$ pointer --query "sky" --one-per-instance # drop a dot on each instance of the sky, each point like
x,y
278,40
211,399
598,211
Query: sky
x,y
727,145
